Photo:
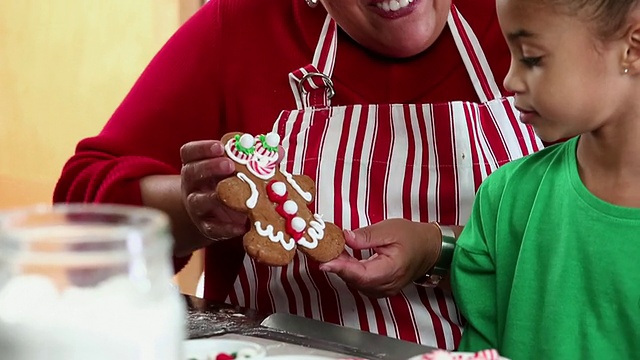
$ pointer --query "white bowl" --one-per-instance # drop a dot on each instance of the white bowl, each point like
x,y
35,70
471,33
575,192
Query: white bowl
x,y
208,349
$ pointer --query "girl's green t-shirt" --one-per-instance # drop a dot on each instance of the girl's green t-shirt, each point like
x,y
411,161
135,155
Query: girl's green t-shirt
x,y
546,270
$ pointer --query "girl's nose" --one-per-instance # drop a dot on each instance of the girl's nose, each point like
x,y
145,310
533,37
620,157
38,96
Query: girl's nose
x,y
513,81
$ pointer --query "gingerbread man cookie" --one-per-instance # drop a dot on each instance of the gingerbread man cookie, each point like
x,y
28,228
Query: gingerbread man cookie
x,y
276,203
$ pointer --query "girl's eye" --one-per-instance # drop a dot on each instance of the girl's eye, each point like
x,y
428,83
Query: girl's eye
x,y
531,61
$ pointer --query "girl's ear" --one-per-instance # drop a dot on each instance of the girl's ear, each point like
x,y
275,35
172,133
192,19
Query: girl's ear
x,y
631,58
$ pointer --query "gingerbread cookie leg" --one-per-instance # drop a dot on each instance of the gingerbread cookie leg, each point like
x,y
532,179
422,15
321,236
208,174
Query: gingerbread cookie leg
x,y
323,242
262,241
268,245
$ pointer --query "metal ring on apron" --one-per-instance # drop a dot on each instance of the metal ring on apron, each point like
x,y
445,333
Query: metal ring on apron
x,y
327,81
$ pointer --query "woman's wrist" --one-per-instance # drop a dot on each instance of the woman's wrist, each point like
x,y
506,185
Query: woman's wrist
x,y
447,236
163,192
448,244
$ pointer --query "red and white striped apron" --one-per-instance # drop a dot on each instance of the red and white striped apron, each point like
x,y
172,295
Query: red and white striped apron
x,y
375,162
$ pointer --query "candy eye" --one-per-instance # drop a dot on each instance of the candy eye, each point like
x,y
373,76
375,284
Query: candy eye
x,y
245,144
270,141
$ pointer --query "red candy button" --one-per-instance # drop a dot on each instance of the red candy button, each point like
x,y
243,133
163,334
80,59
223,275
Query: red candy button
x,y
223,356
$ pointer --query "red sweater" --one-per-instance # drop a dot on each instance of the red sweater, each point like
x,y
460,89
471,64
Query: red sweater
x,y
226,70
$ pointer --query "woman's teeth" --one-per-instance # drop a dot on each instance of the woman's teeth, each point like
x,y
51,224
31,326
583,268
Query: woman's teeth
x,y
394,5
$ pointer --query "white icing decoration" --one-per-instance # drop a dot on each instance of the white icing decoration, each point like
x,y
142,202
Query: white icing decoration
x,y
279,188
247,141
272,139
259,166
315,231
228,148
298,224
279,237
305,195
253,199
290,207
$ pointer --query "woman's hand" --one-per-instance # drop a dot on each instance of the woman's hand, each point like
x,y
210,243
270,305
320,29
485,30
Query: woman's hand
x,y
203,166
404,250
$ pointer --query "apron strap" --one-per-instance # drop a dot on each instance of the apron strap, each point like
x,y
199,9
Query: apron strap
x,y
473,57
311,85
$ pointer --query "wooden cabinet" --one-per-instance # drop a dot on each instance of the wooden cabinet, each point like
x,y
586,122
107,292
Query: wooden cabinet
x,y
65,65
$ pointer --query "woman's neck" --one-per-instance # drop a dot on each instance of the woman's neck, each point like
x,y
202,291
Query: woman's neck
x,y
609,162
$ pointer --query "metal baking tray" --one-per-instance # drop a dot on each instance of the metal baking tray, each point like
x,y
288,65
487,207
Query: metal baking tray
x,y
360,343
206,319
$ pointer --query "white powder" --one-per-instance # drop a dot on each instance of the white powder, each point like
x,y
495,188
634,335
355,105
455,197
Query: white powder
x,y
111,321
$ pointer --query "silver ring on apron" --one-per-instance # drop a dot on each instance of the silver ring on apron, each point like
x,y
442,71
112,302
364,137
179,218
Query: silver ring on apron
x,y
325,78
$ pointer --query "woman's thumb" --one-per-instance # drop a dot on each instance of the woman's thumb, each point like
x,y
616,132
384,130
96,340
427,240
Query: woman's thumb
x,y
359,239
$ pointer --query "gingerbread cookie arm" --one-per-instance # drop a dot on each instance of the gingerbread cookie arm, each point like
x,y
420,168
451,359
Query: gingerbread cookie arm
x,y
228,136
305,182
238,192
302,184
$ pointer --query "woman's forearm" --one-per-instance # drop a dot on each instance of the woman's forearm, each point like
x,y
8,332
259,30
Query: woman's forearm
x,y
163,192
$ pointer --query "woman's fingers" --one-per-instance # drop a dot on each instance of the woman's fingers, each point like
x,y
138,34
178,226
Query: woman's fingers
x,y
371,276
215,220
403,250
205,174
371,237
200,150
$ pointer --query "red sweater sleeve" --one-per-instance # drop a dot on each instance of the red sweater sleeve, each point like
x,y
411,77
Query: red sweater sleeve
x,y
144,135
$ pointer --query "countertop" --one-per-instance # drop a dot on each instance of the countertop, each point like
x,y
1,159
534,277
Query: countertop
x,y
284,334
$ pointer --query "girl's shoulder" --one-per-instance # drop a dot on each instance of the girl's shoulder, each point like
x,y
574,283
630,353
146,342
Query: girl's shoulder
x,y
529,170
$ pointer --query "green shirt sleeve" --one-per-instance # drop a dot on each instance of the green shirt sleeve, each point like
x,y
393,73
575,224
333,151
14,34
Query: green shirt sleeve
x,y
473,272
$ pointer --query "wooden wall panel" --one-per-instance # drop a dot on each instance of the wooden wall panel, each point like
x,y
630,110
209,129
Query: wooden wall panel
x,y
65,65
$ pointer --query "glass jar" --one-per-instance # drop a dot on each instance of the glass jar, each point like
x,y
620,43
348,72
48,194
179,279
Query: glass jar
x,y
88,281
